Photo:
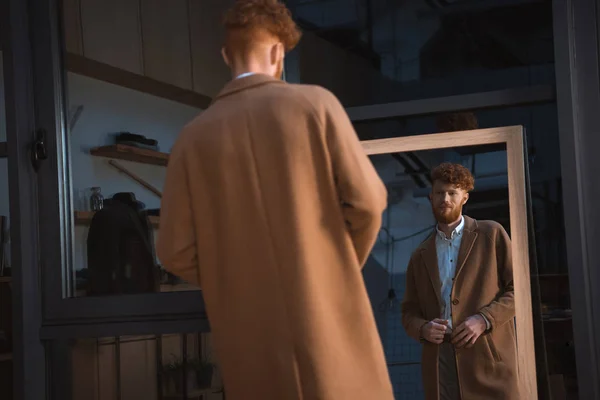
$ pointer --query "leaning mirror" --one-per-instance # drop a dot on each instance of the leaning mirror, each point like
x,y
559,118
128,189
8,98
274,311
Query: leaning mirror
x,y
449,275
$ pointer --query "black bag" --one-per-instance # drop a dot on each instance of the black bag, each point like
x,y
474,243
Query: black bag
x,y
120,249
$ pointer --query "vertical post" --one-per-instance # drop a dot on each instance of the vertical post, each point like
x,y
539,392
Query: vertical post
x,y
118,366
578,100
28,353
59,354
541,361
159,367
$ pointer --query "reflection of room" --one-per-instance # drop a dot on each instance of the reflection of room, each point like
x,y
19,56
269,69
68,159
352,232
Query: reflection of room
x,y
120,81
107,110
408,221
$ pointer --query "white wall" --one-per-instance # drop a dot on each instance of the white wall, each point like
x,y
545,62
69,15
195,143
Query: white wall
x,y
109,109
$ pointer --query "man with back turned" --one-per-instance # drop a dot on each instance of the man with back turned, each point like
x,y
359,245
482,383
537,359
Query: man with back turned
x,y
271,206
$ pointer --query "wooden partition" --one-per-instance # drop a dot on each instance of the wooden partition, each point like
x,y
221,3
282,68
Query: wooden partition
x,y
130,365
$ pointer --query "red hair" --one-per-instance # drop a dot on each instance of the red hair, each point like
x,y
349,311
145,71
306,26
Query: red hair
x,y
251,17
454,174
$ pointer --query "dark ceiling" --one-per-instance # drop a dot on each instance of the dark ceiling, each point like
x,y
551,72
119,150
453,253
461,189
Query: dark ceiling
x,y
472,34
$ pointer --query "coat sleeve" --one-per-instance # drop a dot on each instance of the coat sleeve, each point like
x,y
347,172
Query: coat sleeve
x,y
363,196
502,309
412,317
176,243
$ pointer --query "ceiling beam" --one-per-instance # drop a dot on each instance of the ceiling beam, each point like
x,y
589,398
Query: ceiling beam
x,y
473,6
494,99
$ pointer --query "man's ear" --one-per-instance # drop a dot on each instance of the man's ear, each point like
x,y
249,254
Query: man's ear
x,y
225,57
277,53
430,196
466,198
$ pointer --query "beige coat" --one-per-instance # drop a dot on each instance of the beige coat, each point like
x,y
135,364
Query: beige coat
x,y
483,283
271,206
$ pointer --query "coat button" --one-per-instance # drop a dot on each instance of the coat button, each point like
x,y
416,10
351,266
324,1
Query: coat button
x,y
455,302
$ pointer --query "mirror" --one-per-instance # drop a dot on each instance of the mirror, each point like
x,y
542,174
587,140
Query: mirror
x,y
466,278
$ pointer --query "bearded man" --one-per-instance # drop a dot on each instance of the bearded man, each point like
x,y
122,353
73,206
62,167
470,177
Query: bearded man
x,y
459,299
271,206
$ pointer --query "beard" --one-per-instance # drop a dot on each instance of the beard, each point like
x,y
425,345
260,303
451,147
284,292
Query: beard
x,y
446,215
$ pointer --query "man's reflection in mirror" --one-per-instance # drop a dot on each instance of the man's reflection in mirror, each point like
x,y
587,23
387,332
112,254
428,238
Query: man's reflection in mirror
x,y
459,300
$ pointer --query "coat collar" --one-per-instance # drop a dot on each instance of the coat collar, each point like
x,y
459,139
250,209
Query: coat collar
x,y
247,82
466,245
429,254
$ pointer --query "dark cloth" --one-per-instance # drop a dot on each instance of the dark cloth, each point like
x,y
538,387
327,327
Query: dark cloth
x,y
121,251
448,384
135,140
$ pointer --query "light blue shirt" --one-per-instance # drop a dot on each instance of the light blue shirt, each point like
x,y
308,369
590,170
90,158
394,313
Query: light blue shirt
x,y
447,255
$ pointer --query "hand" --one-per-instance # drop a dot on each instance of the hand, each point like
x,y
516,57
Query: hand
x,y
467,333
435,330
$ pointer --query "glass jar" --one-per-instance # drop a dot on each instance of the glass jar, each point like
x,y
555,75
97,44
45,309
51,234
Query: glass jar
x,y
96,199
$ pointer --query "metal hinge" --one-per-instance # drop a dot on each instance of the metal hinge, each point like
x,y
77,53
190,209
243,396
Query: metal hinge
x,y
39,151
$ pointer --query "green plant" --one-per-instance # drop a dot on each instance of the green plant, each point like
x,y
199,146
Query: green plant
x,y
175,365
199,373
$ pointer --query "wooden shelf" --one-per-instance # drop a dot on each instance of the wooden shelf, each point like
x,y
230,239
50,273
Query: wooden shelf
x,y
3,150
6,357
85,218
164,288
97,70
130,153
5,279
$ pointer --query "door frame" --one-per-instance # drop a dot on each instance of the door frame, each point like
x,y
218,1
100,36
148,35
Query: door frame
x,y
29,368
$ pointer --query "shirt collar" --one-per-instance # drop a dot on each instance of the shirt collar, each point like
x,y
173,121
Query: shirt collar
x,y
456,232
245,74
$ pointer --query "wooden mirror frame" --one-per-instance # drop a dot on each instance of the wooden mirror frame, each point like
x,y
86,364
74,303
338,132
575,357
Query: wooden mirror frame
x,y
513,138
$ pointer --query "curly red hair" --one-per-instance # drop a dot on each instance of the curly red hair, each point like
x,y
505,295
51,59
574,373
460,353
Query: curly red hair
x,y
250,16
454,174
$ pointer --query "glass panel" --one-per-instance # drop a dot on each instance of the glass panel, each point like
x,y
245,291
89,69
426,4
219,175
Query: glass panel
x,y
379,52
5,270
166,367
137,72
407,223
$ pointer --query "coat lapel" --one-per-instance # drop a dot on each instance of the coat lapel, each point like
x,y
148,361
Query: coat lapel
x,y
467,242
429,254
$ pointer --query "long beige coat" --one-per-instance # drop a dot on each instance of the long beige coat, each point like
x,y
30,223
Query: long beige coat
x,y
271,206
483,283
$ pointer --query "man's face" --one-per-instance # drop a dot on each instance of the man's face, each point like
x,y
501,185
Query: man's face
x,y
447,201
